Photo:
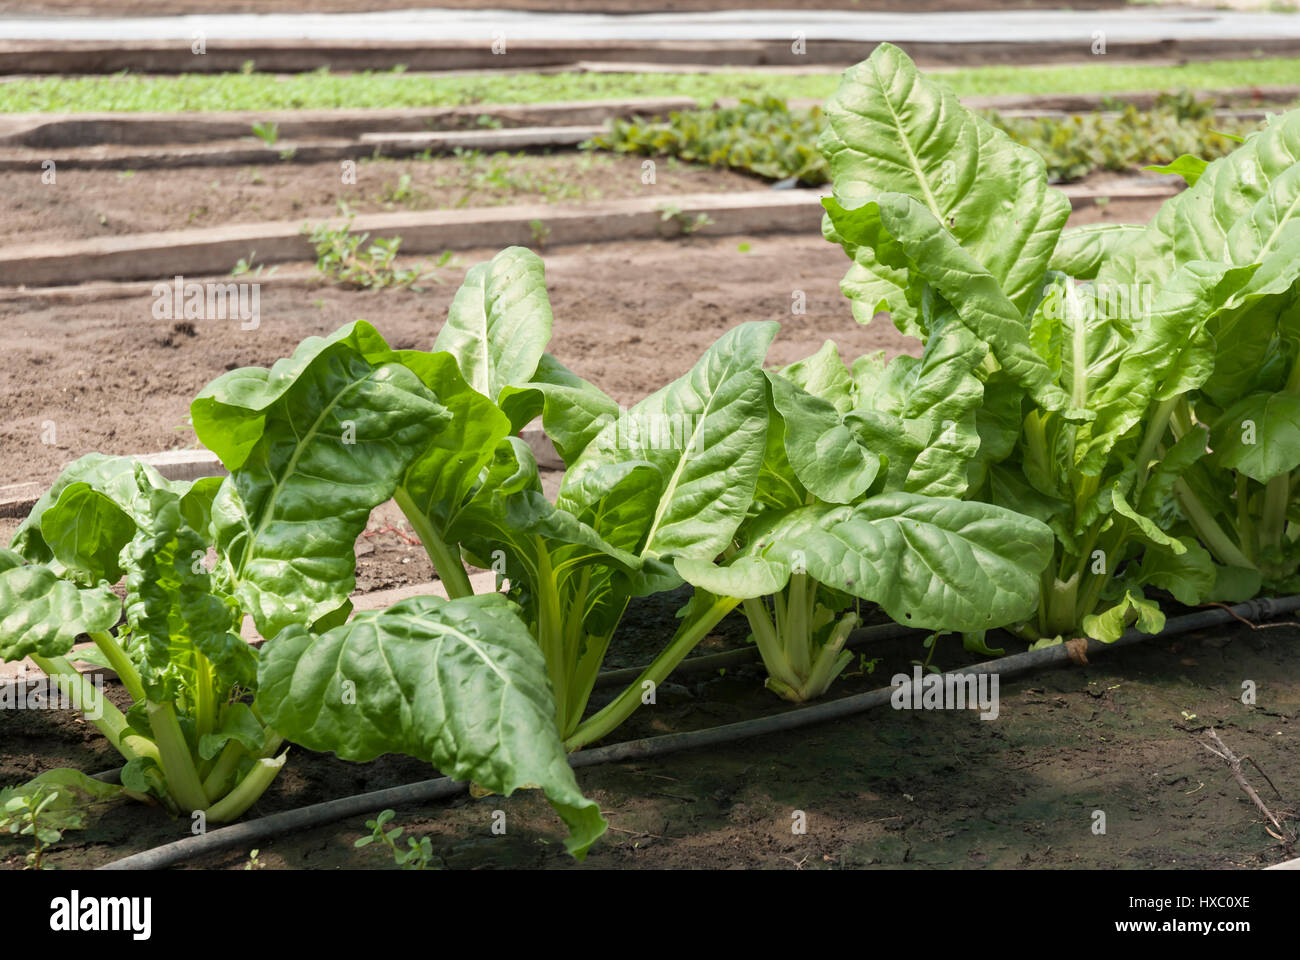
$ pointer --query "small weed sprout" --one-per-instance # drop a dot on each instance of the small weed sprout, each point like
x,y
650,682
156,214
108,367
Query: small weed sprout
x,y
418,853
244,266
347,258
268,133
24,815
685,222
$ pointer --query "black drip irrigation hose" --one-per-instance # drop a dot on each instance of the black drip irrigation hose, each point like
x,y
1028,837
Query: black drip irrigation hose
x,y
304,818
706,664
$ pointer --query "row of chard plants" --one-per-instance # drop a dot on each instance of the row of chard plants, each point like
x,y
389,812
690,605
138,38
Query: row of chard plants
x,y
1043,465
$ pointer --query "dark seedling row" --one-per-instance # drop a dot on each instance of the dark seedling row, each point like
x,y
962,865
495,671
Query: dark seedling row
x,y
1095,414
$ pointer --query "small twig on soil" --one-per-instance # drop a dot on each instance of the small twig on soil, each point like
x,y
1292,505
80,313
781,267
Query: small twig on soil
x,y
1284,835
798,864
1252,624
392,529
1264,775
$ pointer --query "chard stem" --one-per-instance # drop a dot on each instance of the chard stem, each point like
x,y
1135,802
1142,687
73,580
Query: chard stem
x,y
121,664
831,659
177,765
1272,524
1209,532
95,707
1156,426
217,782
795,632
770,646
446,560
1245,523
254,784
688,635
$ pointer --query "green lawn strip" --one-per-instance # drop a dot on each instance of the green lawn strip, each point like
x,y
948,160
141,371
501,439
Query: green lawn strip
x,y
395,88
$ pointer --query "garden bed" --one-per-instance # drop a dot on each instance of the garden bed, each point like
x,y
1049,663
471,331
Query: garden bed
x,y
96,203
1066,455
886,788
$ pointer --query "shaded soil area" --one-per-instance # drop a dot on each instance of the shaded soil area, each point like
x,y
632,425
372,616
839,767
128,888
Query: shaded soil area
x,y
889,788
84,204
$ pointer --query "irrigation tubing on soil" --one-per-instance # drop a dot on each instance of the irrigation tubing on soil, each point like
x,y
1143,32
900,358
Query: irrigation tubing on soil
x,y
304,818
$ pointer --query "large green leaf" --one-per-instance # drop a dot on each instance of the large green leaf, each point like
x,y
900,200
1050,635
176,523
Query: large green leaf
x,y
823,453
124,484
573,411
1194,225
319,441
86,531
460,684
936,398
825,376
1081,251
499,322
444,474
229,414
1259,436
1170,356
706,432
41,614
890,130
929,562
905,231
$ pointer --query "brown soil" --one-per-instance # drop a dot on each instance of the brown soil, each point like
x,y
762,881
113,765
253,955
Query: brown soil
x,y
95,203
887,788
156,8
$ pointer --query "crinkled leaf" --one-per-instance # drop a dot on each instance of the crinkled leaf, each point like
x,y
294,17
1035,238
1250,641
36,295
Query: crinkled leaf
x,y
171,607
891,130
499,322
822,451
42,614
459,684
333,436
929,562
706,432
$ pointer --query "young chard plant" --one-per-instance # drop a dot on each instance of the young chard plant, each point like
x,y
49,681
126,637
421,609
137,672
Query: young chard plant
x,y
674,474
834,523
190,740
313,445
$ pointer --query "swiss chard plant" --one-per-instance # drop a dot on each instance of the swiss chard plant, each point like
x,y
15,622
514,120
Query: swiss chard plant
x,y
836,522
1237,494
1084,358
672,476
313,444
190,740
